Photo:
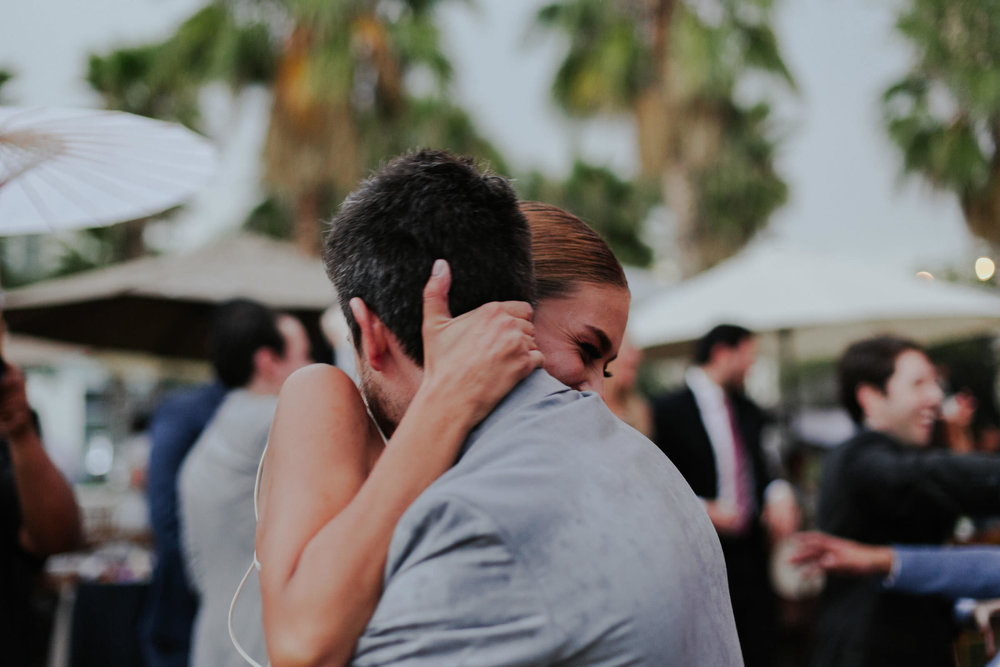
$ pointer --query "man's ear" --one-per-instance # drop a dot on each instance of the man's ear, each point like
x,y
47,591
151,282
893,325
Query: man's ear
x,y
374,335
264,361
718,354
868,396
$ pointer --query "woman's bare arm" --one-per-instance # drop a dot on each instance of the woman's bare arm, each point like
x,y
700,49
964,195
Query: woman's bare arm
x,y
328,510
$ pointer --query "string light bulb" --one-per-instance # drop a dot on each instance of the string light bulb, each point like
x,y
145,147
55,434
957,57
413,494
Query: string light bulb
x,y
985,268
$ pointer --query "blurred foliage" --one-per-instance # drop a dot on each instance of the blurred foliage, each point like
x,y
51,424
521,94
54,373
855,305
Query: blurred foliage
x,y
354,82
675,66
614,207
5,76
606,66
436,122
342,78
92,248
163,80
271,218
944,114
738,193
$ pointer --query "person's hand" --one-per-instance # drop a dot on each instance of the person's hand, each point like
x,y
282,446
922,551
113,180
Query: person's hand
x,y
983,613
725,518
15,413
959,409
781,512
841,556
472,361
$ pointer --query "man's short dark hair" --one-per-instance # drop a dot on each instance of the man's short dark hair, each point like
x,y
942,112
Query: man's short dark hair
x,y
418,208
240,327
728,335
871,361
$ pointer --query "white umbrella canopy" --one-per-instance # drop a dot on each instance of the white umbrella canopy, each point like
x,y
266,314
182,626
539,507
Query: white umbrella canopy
x,y
163,305
76,168
825,303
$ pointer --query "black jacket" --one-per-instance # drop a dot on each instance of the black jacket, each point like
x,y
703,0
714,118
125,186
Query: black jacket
x,y
879,491
680,433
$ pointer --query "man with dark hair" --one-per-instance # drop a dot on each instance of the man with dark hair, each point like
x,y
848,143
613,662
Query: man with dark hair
x,y
871,362
240,327
254,351
885,486
712,433
560,536
381,241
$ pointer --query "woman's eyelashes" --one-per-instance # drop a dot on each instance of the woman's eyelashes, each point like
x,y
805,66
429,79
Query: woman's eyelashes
x,y
589,352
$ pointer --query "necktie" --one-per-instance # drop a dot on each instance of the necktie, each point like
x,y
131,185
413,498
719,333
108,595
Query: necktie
x,y
743,470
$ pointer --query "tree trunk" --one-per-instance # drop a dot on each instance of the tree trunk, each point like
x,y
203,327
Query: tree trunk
x,y
133,246
982,210
306,231
678,138
312,145
679,191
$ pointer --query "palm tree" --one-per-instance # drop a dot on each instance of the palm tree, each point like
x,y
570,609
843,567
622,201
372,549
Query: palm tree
x,y
944,114
5,76
163,80
615,207
675,70
338,71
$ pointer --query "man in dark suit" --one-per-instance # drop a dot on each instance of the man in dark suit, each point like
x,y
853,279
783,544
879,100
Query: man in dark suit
x,y
885,486
712,433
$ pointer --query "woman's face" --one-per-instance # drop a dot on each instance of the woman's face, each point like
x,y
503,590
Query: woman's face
x,y
580,333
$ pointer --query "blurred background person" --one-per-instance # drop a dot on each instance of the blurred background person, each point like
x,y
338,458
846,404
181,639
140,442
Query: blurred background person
x,y
950,571
957,414
886,485
257,350
963,574
38,517
621,391
711,431
175,426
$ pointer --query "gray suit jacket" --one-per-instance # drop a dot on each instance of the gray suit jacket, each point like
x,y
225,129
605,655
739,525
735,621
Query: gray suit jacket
x,y
561,536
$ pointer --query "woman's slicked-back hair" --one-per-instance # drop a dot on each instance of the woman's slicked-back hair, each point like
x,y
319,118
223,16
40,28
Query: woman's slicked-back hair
x,y
568,253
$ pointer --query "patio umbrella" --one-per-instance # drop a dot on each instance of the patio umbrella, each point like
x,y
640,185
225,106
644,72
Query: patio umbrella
x,y
163,305
76,168
816,304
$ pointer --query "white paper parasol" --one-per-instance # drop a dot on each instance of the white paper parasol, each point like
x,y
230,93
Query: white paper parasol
x,y
77,168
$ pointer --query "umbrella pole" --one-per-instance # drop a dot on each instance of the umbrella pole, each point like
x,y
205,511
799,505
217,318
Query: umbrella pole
x,y
788,384
3,325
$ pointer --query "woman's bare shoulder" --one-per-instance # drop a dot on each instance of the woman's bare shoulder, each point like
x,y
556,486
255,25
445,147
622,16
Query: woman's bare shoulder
x,y
321,410
320,382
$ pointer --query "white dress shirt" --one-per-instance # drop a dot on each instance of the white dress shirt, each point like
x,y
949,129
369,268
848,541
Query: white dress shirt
x,y
711,401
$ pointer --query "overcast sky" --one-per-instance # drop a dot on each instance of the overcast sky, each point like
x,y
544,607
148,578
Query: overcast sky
x,y
846,194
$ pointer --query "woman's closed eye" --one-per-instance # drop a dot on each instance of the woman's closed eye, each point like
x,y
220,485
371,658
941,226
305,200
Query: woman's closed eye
x,y
589,352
